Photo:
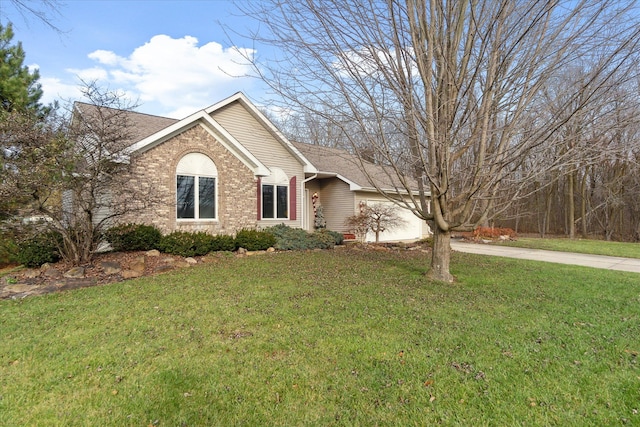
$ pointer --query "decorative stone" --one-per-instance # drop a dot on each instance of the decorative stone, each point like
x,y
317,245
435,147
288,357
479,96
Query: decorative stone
x,y
180,264
242,251
18,288
163,268
271,249
138,265
75,273
130,274
190,260
31,273
153,253
111,267
52,273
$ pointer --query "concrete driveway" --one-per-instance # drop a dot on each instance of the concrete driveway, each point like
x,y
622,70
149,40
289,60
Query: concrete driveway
x,y
595,261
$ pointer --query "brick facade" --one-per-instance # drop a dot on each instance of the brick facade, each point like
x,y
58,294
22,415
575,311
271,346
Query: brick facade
x,y
236,185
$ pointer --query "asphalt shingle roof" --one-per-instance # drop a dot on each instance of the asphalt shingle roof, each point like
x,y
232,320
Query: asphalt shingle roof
x,y
337,161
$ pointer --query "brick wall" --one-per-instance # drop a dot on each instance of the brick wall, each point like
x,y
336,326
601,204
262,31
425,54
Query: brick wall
x,y
236,185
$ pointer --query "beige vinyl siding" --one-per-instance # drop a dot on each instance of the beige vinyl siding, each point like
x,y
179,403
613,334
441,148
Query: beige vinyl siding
x,y
261,143
337,203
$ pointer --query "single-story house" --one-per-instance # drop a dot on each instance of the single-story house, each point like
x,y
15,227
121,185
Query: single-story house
x,y
227,167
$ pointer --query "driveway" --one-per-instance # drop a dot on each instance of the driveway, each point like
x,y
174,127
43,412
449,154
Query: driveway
x,y
595,261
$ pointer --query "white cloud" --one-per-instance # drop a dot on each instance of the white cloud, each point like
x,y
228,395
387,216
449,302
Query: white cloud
x,y
55,89
173,77
104,57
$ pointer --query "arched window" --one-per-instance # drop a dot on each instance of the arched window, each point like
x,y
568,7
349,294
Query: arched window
x,y
275,195
196,181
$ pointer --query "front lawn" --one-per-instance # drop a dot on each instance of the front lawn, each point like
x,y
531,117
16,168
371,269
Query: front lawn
x,y
582,246
329,338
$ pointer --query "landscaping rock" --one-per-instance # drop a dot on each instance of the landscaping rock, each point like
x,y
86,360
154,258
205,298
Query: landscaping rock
x,y
75,283
153,253
190,261
180,264
111,267
30,273
131,274
138,265
52,273
162,268
242,251
75,273
18,288
271,250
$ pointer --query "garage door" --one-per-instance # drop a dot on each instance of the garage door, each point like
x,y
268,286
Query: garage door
x,y
410,230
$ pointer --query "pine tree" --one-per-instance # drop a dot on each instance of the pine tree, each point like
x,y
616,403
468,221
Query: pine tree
x,y
19,87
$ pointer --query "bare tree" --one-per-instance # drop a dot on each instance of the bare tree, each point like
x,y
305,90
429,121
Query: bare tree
x,y
41,10
445,93
76,171
376,218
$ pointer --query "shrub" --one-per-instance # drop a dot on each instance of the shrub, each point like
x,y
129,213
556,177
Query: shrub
x,y
39,250
338,238
186,244
493,233
133,237
288,238
427,241
254,240
294,239
222,243
8,250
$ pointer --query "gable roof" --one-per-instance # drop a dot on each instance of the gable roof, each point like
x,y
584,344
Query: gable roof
x,y
359,174
201,118
204,118
260,117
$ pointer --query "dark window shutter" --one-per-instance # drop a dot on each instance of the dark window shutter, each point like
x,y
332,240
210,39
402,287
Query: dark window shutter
x,y
293,199
259,198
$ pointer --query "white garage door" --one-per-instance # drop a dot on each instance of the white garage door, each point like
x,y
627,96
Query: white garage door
x,y
410,230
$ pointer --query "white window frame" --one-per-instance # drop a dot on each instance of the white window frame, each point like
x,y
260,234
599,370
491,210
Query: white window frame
x,y
277,179
197,165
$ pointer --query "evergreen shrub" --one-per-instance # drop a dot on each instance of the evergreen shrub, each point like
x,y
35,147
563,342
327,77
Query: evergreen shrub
x,y
186,244
133,237
40,249
254,240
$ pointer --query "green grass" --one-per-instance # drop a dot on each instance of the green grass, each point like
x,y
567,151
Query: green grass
x,y
583,246
329,338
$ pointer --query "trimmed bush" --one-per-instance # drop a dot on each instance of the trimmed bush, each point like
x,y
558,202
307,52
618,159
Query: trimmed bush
x,y
254,240
338,238
222,243
39,250
133,237
288,238
186,244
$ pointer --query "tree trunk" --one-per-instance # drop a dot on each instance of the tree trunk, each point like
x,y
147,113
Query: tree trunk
x,y
441,256
583,206
571,213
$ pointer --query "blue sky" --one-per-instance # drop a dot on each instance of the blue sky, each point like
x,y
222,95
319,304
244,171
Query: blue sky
x,y
172,56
